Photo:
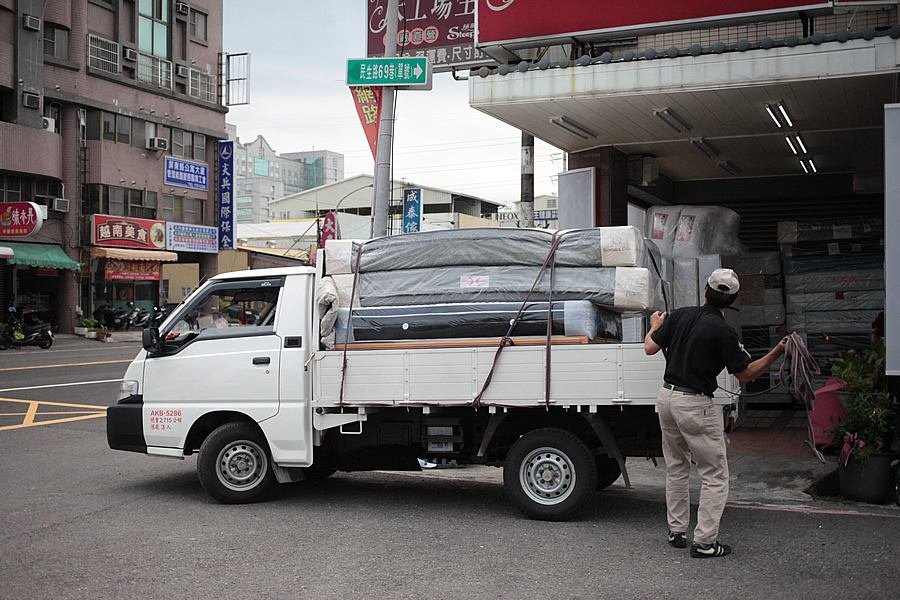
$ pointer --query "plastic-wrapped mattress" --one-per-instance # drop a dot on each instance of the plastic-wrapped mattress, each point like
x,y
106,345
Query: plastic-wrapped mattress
x,y
490,319
597,247
622,289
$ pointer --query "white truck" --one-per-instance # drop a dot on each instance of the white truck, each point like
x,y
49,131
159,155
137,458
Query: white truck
x,y
236,374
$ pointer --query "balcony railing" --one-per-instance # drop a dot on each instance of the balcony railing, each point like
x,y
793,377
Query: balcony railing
x,y
154,70
103,54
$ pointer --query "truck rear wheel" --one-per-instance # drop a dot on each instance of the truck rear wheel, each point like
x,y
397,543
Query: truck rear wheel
x,y
234,466
549,474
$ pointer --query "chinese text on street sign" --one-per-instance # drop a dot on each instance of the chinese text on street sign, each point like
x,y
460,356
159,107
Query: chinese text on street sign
x,y
412,210
182,237
368,107
128,232
224,189
186,173
410,71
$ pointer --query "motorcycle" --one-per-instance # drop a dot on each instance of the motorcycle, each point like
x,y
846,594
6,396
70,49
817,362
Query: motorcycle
x,y
159,315
110,317
137,317
16,334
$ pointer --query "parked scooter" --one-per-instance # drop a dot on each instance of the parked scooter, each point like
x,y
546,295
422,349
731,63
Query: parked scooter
x,y
137,317
111,318
16,334
159,315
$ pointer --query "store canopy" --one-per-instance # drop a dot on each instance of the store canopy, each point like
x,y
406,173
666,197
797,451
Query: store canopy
x,y
50,256
129,254
6,252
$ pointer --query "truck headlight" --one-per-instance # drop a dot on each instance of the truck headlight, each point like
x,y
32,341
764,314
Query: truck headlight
x,y
128,388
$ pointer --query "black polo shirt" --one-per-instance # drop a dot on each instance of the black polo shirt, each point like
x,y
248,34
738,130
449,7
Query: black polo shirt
x,y
698,344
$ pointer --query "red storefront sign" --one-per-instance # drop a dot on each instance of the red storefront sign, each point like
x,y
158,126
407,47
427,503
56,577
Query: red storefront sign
x,y
131,270
20,219
127,232
442,30
504,22
368,106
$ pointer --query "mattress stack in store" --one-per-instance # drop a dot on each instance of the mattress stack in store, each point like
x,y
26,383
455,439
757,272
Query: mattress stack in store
x,y
760,314
692,241
834,282
472,282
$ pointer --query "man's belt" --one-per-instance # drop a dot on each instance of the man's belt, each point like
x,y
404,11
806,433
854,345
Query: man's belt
x,y
683,390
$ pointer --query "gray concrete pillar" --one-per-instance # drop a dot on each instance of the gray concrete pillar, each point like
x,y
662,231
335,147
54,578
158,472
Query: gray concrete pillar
x,y
68,290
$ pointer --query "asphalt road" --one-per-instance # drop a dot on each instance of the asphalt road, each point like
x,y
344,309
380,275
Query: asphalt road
x,y
78,520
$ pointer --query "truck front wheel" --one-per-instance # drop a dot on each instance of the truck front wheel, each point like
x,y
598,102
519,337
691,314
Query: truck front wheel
x,y
549,474
234,465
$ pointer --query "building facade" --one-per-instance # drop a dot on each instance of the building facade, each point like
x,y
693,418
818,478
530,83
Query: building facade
x,y
263,176
109,118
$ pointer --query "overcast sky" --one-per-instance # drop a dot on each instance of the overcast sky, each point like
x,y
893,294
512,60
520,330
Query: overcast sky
x,y
299,101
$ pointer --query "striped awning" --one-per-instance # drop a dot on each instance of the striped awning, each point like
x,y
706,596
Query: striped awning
x,y
42,256
130,254
6,252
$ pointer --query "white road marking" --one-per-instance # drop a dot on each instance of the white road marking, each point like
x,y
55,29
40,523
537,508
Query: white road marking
x,y
56,385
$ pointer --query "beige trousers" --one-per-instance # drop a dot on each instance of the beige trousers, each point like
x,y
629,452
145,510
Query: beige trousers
x,y
692,429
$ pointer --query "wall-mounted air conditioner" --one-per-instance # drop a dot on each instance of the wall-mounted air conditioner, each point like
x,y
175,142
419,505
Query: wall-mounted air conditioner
x,y
31,100
131,55
182,8
31,22
60,205
157,143
48,123
183,71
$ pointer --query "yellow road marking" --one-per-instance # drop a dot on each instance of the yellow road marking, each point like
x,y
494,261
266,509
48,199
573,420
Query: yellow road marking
x,y
81,364
29,416
53,412
94,412
19,400
55,421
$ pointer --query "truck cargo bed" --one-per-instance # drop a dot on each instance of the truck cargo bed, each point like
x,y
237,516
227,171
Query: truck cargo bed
x,y
582,375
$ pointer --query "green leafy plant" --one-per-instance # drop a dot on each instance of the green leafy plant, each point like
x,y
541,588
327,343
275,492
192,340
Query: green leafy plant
x,y
868,405
89,323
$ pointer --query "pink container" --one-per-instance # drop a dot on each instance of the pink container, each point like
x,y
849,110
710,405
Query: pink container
x,y
827,412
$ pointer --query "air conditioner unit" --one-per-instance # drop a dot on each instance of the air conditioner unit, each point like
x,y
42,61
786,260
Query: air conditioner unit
x,y
48,123
131,55
60,205
31,22
182,7
31,100
157,143
183,71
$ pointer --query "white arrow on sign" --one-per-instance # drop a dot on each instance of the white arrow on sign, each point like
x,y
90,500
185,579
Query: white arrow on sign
x,y
417,71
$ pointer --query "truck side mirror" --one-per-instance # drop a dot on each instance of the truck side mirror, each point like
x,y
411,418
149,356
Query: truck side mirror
x,y
150,339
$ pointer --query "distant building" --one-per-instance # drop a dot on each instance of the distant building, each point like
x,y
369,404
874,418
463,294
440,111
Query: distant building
x,y
546,213
262,175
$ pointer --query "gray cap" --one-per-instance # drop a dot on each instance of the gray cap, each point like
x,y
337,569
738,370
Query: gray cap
x,y
725,281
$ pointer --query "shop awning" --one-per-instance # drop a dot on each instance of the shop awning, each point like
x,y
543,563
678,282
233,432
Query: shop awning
x,y
129,254
49,256
6,252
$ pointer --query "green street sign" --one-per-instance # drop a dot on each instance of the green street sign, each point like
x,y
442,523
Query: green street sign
x,y
402,71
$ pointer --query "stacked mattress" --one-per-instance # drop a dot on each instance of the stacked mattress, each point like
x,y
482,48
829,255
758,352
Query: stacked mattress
x,y
475,276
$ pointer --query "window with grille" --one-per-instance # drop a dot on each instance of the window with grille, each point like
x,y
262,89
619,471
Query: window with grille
x,y
103,54
155,71
202,86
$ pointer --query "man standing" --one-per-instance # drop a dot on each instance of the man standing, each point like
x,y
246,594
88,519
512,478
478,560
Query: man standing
x,y
698,344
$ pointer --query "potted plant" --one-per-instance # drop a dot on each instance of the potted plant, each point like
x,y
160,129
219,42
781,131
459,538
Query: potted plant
x,y
86,325
101,334
863,437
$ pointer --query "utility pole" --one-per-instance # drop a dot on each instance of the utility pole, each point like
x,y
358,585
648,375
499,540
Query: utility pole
x,y
381,200
525,206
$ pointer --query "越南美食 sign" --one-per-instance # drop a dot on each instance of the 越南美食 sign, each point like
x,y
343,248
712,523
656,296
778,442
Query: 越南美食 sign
x,y
186,173
127,232
525,23
183,237
407,71
20,219
224,197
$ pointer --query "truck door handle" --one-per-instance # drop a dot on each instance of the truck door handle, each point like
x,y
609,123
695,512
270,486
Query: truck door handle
x,y
261,360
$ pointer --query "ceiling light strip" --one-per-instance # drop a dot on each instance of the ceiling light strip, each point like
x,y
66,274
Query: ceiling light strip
x,y
787,138
784,113
670,118
801,144
774,117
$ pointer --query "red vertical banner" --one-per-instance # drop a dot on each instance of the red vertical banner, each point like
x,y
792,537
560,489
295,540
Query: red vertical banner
x,y
368,107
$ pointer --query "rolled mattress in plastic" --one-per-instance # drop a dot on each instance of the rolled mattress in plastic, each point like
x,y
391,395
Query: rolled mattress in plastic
x,y
822,301
835,281
488,247
489,319
836,321
622,289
